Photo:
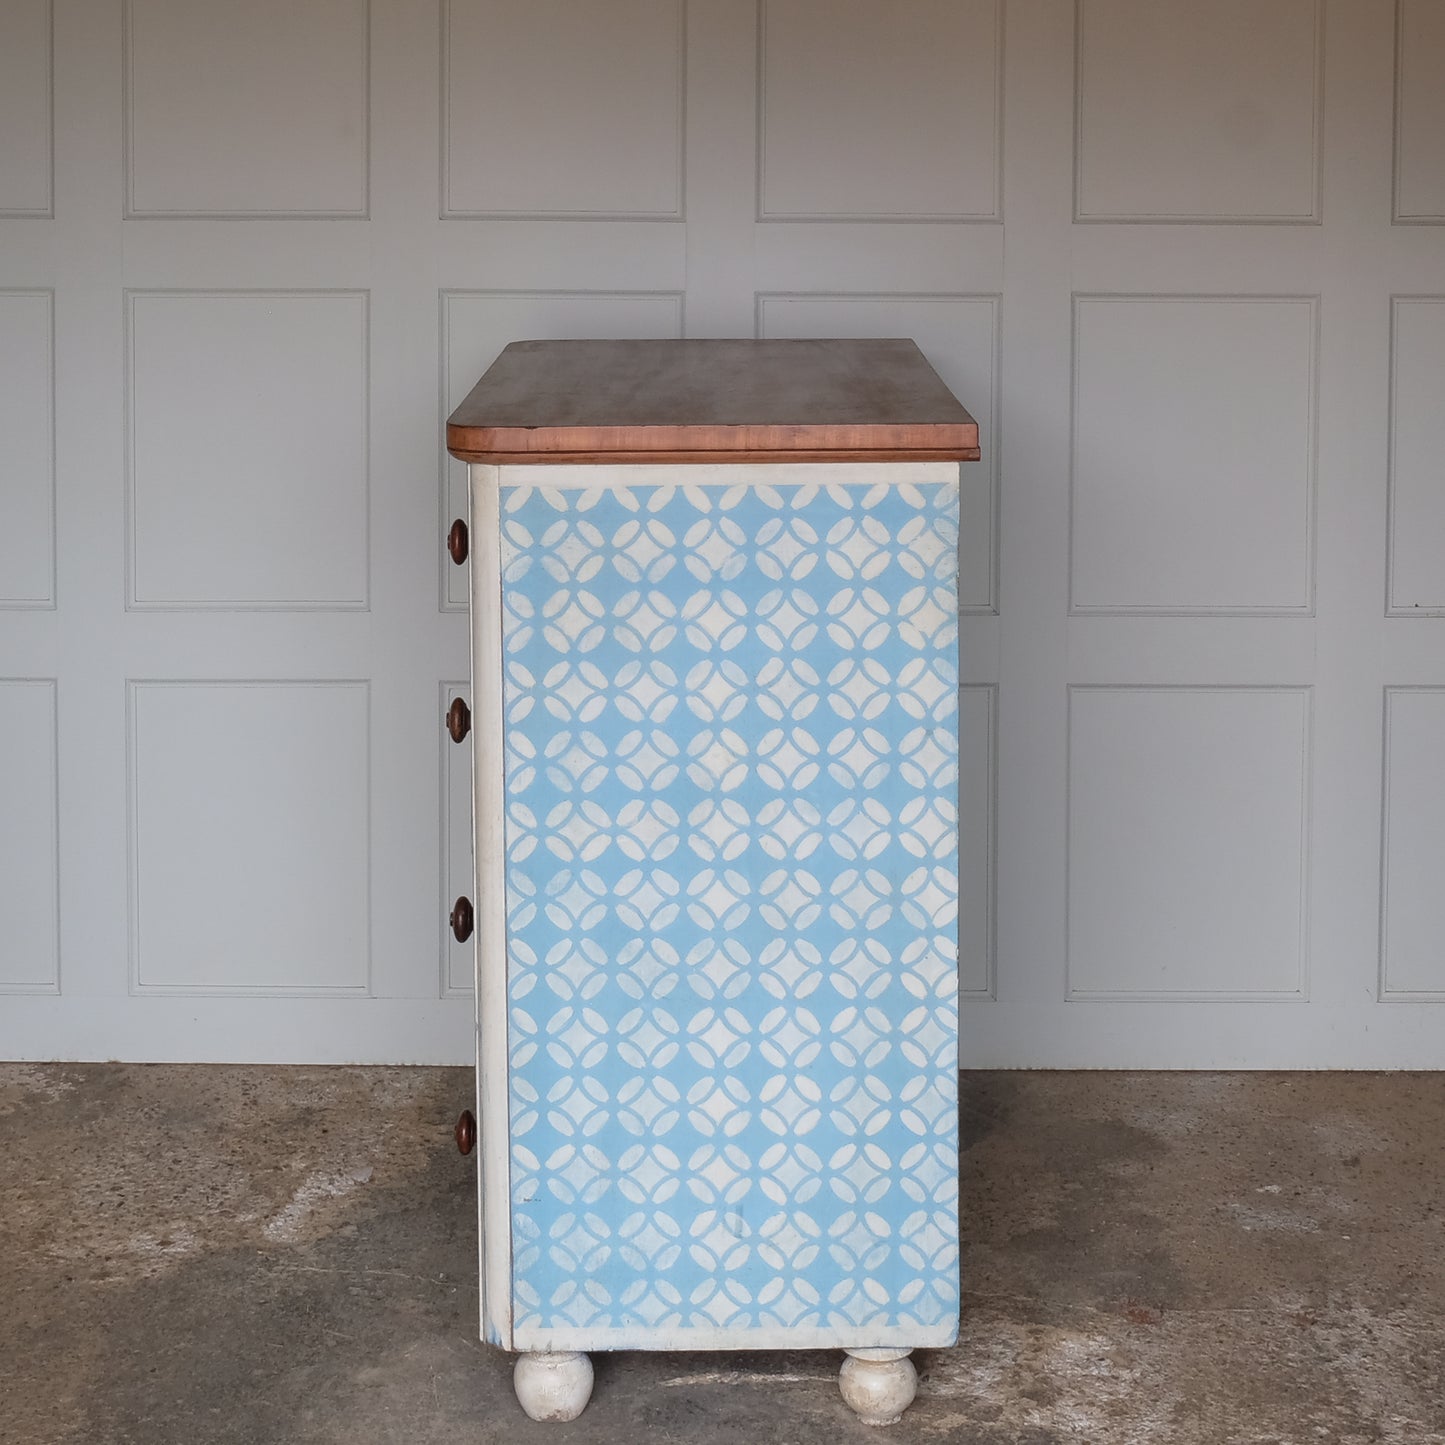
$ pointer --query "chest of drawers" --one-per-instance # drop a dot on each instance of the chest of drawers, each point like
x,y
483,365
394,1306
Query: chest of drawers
x,y
714,737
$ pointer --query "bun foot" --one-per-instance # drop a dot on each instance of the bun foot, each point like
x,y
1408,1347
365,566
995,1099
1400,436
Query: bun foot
x,y
878,1385
553,1386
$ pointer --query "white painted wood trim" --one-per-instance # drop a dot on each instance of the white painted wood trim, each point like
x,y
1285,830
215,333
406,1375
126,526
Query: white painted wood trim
x,y
609,477
494,1149
776,1337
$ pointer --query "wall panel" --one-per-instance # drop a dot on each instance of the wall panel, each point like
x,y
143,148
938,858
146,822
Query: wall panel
x,y
27,449
879,112
250,836
1412,912
1193,454
1417,457
1179,257
259,109
29,837
1188,842
248,454
1420,112
977,841
515,140
26,131
1198,112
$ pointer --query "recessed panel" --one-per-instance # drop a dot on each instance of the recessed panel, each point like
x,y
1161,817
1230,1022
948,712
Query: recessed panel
x,y
1413,932
477,325
879,111
251,109
27,453
1420,112
1417,457
959,336
248,449
249,847
25,108
1187,842
563,108
1193,454
30,957
458,874
731,786
976,811
1198,110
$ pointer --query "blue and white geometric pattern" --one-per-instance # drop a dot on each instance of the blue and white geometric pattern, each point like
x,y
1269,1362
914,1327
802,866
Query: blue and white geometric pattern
x,y
731,831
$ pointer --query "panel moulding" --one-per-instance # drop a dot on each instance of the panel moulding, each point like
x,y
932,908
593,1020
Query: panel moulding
x,y
1393,607
1306,607
993,216
136,986
47,211
52,985
1298,994
989,826
1383,992
48,602
1315,215
447,212
361,212
1398,216
133,603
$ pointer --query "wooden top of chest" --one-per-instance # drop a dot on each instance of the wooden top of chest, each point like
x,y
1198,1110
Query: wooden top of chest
x,y
711,401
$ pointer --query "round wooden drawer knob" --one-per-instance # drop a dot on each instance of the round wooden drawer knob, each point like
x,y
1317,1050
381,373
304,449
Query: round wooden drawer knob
x,y
459,719
462,919
457,541
466,1131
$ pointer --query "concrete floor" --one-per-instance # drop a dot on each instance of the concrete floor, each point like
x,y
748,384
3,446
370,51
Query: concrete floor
x,y
196,1255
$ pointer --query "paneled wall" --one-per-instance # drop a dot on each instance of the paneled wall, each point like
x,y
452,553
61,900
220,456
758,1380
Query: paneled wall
x,y
1184,260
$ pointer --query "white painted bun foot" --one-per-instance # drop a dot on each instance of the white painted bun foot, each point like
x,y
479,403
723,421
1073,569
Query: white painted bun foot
x,y
878,1385
553,1386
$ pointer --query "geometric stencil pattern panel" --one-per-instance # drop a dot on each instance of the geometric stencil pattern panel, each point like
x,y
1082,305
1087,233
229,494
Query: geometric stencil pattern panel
x,y
248,449
1413,907
25,131
259,109
1193,454
1198,112
29,876
879,111
27,462
1420,112
731,797
959,336
1417,457
530,131
249,836
476,325
1187,842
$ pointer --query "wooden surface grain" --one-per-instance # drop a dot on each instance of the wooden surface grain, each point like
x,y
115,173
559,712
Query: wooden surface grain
x,y
711,401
